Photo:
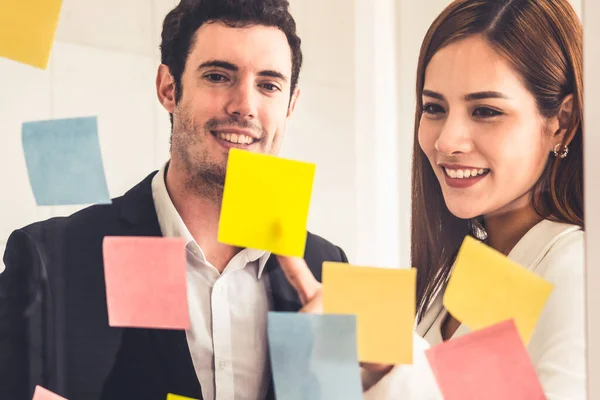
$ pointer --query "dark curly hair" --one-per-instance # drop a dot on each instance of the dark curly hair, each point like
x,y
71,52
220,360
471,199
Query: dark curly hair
x,y
181,24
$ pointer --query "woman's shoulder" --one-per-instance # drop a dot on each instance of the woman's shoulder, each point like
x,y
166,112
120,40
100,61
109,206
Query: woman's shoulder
x,y
550,245
563,251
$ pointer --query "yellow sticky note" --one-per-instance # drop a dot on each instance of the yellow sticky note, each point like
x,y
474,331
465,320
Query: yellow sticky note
x,y
487,288
177,397
27,29
383,301
265,203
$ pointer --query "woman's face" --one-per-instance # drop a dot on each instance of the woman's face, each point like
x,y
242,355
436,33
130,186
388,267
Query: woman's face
x,y
481,130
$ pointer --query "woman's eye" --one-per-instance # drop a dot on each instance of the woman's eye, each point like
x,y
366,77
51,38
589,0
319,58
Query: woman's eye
x,y
217,78
432,109
486,112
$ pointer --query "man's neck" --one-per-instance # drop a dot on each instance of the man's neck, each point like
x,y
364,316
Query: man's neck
x,y
200,215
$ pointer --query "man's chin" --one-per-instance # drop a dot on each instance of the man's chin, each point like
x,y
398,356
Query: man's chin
x,y
212,177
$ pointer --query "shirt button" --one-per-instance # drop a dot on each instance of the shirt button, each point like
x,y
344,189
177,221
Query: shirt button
x,y
222,365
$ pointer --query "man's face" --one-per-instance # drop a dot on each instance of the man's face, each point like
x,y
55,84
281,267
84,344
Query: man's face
x,y
235,94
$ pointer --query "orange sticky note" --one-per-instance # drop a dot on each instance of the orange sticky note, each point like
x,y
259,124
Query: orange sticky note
x,y
146,282
27,29
177,397
490,364
44,394
383,301
265,203
486,288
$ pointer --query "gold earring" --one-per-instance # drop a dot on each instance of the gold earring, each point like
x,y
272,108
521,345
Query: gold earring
x,y
563,153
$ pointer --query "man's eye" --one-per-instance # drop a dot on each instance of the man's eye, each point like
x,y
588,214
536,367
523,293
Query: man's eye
x,y
486,112
270,87
217,78
432,109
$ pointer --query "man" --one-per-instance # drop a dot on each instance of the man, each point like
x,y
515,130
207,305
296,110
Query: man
x,y
228,78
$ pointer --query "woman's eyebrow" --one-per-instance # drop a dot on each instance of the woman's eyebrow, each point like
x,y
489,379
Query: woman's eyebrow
x,y
485,95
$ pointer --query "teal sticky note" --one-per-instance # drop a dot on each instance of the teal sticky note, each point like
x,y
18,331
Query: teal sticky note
x,y
64,162
314,357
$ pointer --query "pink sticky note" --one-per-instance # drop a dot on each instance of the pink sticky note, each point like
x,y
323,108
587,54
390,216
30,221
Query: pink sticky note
x,y
44,394
490,364
146,282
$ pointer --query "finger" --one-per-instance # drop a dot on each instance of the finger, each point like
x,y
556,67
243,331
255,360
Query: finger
x,y
384,368
300,277
315,305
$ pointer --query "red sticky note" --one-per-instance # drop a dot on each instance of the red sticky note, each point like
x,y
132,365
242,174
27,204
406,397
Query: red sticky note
x,y
146,282
44,394
490,364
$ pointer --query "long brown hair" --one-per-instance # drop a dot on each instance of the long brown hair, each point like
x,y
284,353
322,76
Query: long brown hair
x,y
542,40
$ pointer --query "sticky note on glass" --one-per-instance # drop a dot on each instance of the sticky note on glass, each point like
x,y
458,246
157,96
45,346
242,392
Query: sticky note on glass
x,y
486,288
383,300
64,162
27,29
490,364
265,203
177,397
44,394
314,356
146,282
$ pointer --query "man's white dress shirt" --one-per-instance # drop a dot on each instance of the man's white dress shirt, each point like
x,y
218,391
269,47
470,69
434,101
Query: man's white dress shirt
x,y
228,311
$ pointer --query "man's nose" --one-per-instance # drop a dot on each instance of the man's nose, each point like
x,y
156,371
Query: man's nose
x,y
243,101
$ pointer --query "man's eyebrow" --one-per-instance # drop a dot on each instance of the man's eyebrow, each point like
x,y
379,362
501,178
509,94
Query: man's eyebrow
x,y
273,74
218,64
234,68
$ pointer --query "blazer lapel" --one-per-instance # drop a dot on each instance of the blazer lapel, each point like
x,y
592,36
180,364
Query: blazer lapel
x,y
139,214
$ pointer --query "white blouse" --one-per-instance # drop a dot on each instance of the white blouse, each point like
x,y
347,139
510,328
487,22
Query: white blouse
x,y
555,252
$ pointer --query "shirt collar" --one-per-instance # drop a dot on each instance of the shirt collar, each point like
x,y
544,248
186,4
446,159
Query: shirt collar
x,y
172,225
262,260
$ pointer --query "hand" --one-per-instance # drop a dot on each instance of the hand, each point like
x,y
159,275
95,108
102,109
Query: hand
x,y
310,292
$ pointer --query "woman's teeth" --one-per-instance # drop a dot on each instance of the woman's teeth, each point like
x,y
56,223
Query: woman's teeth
x,y
465,173
236,138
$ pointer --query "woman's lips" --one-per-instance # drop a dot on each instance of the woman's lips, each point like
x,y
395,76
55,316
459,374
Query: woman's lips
x,y
462,182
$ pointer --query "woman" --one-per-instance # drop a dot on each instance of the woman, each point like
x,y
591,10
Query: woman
x,y
498,155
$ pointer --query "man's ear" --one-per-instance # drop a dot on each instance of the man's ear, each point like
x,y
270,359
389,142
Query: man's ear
x,y
293,100
165,88
564,131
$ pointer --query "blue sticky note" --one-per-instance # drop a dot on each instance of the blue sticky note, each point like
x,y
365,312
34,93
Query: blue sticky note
x,y
64,162
314,356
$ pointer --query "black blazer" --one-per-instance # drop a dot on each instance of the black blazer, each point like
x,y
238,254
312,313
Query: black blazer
x,y
53,318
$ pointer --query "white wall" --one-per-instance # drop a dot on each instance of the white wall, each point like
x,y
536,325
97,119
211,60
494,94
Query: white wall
x,y
322,128
355,119
591,8
103,63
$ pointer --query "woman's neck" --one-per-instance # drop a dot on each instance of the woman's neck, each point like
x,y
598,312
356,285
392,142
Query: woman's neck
x,y
505,228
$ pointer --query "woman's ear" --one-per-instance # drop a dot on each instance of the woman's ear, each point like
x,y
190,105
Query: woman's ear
x,y
564,119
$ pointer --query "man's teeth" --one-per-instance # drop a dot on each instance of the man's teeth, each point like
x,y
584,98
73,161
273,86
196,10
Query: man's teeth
x,y
465,173
236,138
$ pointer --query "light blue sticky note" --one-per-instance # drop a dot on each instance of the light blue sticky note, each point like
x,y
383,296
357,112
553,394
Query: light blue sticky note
x,y
64,162
314,357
